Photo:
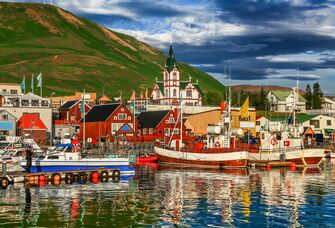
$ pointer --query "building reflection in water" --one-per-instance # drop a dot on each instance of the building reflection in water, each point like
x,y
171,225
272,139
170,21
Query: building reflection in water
x,y
171,196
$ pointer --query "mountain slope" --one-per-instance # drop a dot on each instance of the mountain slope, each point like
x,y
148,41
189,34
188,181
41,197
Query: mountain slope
x,y
74,53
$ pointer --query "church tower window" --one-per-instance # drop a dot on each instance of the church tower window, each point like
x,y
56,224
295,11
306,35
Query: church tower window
x,y
174,93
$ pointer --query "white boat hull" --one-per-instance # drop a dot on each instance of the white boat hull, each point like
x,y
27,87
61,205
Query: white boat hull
x,y
224,159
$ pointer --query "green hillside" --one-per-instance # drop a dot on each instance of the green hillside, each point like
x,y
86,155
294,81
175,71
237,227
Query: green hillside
x,y
74,53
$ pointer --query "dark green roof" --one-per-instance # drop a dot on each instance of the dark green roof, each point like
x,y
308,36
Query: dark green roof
x,y
170,61
198,88
301,118
160,86
281,95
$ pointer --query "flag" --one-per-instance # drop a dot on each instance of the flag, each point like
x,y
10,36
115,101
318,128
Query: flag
x,y
132,95
82,107
39,80
244,110
23,84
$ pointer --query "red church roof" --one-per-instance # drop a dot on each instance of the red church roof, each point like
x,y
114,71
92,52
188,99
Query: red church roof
x,y
31,121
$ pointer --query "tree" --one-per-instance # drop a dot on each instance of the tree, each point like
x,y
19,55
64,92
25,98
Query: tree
x,y
213,98
317,96
308,97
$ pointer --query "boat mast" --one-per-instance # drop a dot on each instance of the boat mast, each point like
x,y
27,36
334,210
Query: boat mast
x,y
181,121
229,106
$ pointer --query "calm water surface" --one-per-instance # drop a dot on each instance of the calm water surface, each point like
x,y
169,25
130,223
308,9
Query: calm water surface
x,y
180,197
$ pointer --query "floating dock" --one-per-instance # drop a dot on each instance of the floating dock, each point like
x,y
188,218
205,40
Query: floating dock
x,y
69,177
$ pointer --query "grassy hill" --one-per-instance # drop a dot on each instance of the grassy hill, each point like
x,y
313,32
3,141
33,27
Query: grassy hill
x,y
74,53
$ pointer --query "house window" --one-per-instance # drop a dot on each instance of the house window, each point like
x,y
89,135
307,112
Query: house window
x,y
144,131
189,93
258,123
24,102
166,93
122,109
175,131
315,123
129,117
13,91
44,103
151,131
329,122
34,103
122,116
174,92
5,117
157,94
174,75
167,131
115,117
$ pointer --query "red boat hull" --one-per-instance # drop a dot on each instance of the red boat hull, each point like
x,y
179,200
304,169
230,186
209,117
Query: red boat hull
x,y
149,159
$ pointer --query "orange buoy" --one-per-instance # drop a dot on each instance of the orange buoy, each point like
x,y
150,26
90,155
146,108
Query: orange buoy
x,y
36,178
268,166
56,178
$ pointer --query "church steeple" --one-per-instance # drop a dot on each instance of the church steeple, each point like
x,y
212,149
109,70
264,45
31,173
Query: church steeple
x,y
170,61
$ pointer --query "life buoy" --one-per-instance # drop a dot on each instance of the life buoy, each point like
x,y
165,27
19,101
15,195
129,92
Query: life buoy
x,y
273,141
116,174
217,145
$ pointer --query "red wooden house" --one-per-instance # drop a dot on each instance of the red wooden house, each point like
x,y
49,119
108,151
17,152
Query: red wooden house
x,y
154,125
69,113
32,126
107,121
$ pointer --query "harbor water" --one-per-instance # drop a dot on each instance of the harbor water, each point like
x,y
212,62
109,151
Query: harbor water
x,y
181,197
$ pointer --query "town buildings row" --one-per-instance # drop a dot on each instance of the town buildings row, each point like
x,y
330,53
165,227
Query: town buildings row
x,y
146,118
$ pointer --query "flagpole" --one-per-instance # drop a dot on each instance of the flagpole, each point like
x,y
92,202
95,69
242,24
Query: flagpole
x,y
134,114
248,123
84,124
32,83
41,85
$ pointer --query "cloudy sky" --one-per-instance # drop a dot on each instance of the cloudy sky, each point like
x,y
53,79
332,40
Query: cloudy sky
x,y
264,42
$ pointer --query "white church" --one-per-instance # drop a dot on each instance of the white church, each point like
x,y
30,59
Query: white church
x,y
171,90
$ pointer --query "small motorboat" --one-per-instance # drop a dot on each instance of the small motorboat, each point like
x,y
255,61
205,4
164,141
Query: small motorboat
x,y
72,161
147,159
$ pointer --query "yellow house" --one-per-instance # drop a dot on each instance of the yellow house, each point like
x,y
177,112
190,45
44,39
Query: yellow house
x,y
198,123
243,123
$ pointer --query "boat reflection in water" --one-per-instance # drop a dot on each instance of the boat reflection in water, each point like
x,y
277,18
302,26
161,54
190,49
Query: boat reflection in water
x,y
182,197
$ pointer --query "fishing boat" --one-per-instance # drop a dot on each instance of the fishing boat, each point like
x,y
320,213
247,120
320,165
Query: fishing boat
x,y
73,161
286,145
216,151
279,142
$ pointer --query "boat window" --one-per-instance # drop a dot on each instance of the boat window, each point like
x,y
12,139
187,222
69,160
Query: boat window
x,y
53,157
59,148
41,157
68,149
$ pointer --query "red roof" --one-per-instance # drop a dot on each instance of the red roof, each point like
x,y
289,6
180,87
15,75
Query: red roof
x,y
31,121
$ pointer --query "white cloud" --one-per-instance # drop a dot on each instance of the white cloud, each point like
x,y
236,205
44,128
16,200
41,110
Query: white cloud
x,y
308,57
